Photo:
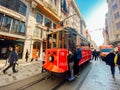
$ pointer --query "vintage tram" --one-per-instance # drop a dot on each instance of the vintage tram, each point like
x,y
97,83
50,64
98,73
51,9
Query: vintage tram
x,y
58,43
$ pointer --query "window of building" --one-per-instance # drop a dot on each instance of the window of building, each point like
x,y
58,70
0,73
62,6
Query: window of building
x,y
22,9
54,25
37,32
15,5
116,15
39,18
6,23
115,6
118,25
1,19
47,23
55,2
21,29
9,24
15,26
18,27
50,2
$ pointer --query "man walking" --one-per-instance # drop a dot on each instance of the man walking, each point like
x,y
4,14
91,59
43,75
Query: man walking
x,y
12,59
110,61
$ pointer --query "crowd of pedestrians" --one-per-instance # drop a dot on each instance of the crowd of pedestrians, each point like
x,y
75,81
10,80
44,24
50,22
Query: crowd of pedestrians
x,y
96,55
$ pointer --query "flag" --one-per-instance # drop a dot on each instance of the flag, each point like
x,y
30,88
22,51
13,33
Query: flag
x,y
65,6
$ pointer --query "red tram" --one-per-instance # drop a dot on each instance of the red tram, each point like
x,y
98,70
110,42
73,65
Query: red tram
x,y
58,43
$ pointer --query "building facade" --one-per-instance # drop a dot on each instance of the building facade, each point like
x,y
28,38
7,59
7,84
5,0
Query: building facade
x,y
24,23
113,22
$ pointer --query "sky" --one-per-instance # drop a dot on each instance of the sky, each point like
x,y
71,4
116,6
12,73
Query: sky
x,y
93,12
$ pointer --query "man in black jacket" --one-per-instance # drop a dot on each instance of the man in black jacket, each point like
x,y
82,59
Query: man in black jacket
x,y
110,61
12,59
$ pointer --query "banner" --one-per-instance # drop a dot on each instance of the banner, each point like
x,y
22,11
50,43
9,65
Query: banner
x,y
65,4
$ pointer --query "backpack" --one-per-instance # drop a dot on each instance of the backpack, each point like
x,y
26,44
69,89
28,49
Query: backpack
x,y
118,59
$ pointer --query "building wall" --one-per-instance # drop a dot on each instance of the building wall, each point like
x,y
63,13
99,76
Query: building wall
x,y
114,21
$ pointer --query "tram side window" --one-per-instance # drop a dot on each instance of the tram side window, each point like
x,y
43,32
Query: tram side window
x,y
65,39
54,40
60,39
49,41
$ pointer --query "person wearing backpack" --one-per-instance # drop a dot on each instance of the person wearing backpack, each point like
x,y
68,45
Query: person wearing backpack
x,y
117,60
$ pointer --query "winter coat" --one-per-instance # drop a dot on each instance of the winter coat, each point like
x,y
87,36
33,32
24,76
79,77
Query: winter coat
x,y
109,59
13,57
78,54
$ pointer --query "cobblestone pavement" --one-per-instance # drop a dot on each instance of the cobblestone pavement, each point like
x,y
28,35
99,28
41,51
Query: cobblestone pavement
x,y
100,78
25,70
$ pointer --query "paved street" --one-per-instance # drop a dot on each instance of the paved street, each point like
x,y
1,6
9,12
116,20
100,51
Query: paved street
x,y
25,70
100,78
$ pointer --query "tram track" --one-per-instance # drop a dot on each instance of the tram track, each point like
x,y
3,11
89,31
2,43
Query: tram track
x,y
31,84
41,80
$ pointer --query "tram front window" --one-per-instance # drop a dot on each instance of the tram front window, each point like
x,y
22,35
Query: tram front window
x,y
52,41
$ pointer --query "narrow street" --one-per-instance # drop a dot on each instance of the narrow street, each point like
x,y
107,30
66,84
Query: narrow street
x,y
99,78
95,75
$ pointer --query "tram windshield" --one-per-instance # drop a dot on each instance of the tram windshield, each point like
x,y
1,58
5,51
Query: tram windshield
x,y
57,39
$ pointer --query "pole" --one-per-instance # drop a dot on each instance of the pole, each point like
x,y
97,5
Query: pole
x,y
62,22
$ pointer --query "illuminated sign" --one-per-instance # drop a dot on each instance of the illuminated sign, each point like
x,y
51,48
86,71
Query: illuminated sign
x,y
7,37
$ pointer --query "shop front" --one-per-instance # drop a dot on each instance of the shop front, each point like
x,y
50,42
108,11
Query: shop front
x,y
36,50
6,42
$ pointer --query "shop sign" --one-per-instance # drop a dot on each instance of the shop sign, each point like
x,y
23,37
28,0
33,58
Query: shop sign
x,y
7,37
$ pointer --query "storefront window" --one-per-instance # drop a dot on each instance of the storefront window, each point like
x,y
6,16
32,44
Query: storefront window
x,y
6,23
15,5
47,23
39,18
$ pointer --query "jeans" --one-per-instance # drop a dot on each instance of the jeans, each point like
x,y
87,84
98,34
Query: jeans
x,y
112,69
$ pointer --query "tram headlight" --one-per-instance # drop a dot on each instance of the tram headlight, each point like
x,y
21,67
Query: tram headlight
x,y
51,58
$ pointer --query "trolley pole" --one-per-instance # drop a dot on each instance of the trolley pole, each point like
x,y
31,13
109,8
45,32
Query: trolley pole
x,y
62,22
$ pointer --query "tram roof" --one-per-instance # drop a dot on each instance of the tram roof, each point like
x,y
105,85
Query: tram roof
x,y
73,30
69,29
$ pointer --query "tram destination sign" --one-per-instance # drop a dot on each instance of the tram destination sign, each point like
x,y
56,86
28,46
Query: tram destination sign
x,y
7,37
